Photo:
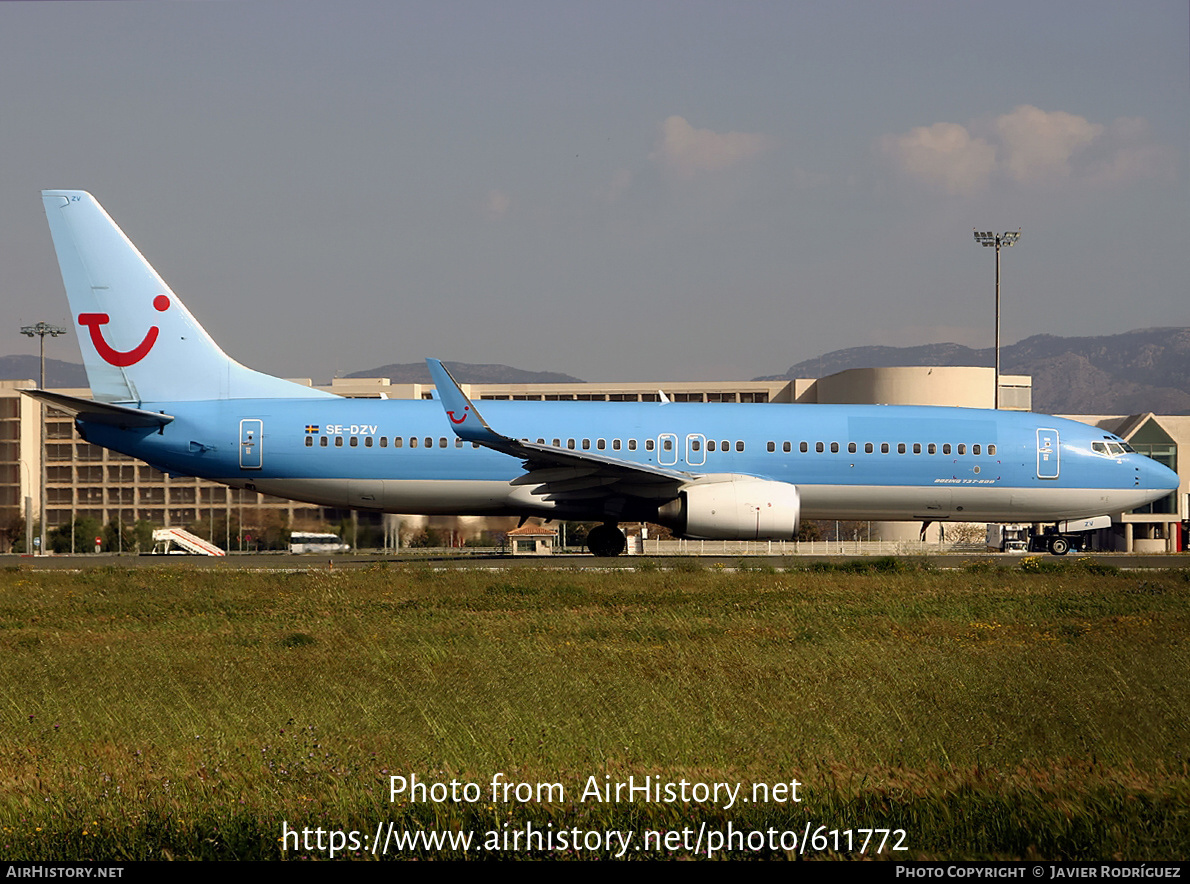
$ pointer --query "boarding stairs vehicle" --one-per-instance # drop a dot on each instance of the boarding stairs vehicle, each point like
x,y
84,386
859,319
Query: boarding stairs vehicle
x,y
186,543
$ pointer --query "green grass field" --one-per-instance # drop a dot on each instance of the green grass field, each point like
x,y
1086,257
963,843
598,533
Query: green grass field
x,y
987,713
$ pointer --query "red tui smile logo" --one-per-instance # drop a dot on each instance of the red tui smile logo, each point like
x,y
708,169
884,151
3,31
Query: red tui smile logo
x,y
122,358
451,414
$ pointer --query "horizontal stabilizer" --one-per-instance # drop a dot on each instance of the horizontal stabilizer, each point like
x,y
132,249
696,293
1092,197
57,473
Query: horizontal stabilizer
x,y
122,416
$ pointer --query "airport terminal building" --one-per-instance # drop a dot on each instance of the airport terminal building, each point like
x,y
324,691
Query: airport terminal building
x,y
85,481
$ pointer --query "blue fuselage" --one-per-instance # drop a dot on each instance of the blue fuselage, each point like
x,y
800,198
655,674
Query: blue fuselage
x,y
853,462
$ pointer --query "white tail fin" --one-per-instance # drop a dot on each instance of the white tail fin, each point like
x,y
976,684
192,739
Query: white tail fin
x,y
139,342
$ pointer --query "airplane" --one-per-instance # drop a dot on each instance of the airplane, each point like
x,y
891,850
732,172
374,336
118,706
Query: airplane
x,y
165,393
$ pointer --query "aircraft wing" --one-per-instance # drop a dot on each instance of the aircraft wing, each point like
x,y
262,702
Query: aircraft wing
x,y
559,474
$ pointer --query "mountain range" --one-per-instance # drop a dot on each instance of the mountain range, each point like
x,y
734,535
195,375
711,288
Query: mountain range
x,y
464,373
1137,371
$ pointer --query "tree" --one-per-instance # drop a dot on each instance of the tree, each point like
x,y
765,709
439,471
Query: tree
x,y
118,536
809,531
12,534
85,530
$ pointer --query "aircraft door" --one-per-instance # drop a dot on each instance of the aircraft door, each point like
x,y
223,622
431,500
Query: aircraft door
x,y
696,449
1047,454
667,449
251,449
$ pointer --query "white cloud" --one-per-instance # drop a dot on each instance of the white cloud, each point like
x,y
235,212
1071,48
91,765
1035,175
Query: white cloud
x,y
685,151
943,155
1131,153
1031,147
1038,146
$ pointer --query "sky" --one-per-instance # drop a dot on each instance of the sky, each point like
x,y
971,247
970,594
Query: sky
x,y
622,191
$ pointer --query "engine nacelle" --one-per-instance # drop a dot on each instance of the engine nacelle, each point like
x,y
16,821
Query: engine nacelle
x,y
734,508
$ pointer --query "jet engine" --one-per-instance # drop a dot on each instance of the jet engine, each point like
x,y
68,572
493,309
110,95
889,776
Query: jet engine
x,y
732,507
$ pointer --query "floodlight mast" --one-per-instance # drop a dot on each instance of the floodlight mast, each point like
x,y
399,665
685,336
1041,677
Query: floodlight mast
x,y
987,238
41,330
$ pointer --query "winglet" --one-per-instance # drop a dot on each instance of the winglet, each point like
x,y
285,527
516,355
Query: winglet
x,y
464,418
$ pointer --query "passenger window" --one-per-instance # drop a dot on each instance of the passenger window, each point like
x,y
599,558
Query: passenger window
x,y
412,441
441,441
975,449
786,447
398,441
557,443
695,445
570,444
739,446
458,442
917,448
819,447
600,444
803,448
429,441
834,448
962,448
632,445
355,442
946,448
710,445
851,448
772,446
586,445
649,445
991,451
668,444
615,444
309,441
931,448
867,448
322,441
384,441
338,441
900,448
884,448
367,441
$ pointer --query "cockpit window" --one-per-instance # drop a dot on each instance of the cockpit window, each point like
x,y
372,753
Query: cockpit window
x,y
1115,448
1099,448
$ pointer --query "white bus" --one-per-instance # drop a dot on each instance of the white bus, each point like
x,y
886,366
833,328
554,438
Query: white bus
x,y
308,542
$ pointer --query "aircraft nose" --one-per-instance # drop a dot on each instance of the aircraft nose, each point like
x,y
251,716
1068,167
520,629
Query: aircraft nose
x,y
1158,476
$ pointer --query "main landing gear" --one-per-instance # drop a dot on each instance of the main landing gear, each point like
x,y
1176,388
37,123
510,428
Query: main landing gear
x,y
606,540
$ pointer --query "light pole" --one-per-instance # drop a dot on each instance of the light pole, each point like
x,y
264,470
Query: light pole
x,y
41,330
997,239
